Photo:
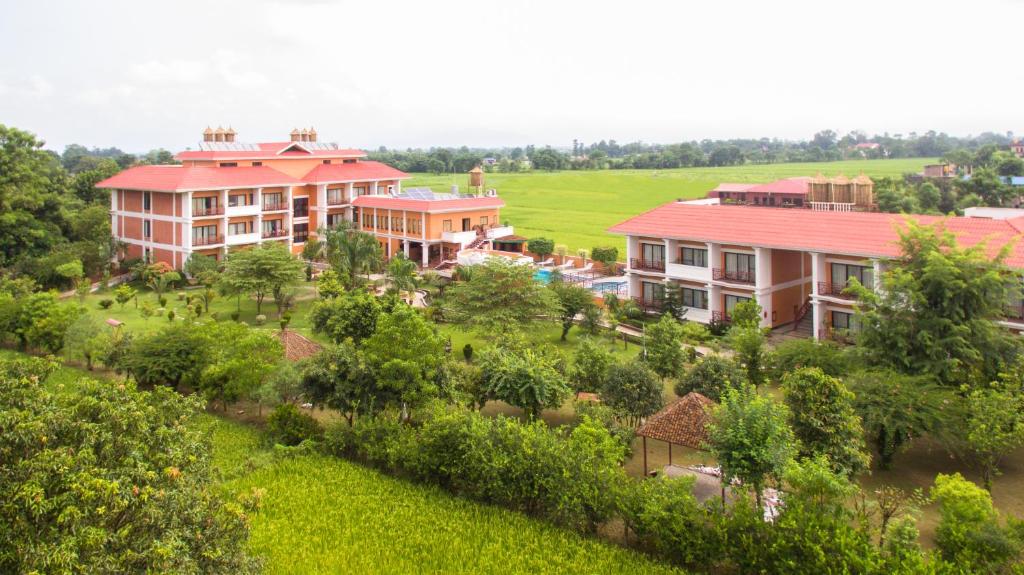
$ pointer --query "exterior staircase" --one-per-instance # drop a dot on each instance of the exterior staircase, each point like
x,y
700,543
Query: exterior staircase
x,y
479,241
802,328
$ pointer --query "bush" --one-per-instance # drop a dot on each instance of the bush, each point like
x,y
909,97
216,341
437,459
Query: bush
x,y
970,532
718,327
163,301
695,332
467,352
106,303
260,319
170,315
289,426
710,376
235,315
794,354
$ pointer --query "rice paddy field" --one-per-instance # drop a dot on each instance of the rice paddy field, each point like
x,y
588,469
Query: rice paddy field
x,y
576,208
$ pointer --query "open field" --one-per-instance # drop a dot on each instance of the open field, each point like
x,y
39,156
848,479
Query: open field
x,y
325,515
576,207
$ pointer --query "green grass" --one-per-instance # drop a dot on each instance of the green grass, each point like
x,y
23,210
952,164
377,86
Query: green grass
x,y
576,208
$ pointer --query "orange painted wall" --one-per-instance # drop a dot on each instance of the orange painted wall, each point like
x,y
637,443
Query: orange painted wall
x,y
132,201
132,228
435,222
163,232
786,266
785,302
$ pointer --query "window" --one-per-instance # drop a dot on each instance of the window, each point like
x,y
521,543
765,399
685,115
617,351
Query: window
x,y
654,253
147,229
732,300
335,196
844,321
239,228
300,207
327,161
147,255
695,257
483,220
203,235
396,224
147,201
446,226
348,161
274,201
367,220
256,164
334,219
382,222
271,226
841,274
740,266
358,191
235,200
415,226
300,232
696,298
203,206
229,164
653,292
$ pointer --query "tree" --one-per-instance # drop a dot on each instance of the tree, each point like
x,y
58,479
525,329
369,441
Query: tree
x,y
994,425
895,409
797,353
633,391
749,344
174,355
160,277
499,296
351,252
86,340
523,378
262,270
746,314
401,274
328,284
125,293
110,480
542,247
203,268
970,534
664,347
40,321
750,438
589,368
606,255
822,417
939,308
241,361
351,314
404,354
338,378
573,300
72,271
711,376
672,304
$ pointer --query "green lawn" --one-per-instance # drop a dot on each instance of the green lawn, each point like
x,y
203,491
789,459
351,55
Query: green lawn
x,y
575,208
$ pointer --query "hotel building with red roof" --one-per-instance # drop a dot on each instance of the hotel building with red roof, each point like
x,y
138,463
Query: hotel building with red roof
x,y
796,263
228,194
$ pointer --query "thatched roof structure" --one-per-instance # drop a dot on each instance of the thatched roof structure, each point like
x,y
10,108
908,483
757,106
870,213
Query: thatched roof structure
x,y
682,423
296,345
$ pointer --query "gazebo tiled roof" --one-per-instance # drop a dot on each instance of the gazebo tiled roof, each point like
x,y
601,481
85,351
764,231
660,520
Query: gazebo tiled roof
x,y
296,345
681,423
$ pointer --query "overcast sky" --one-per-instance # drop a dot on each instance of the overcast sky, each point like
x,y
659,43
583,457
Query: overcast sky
x,y
145,74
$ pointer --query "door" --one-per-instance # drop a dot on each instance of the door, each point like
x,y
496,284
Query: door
x,y
467,224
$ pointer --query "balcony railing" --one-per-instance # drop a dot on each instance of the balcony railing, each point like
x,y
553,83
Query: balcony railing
x,y
301,212
649,265
278,233
738,276
649,305
834,290
300,238
837,335
275,207
207,240
721,317
210,211
336,201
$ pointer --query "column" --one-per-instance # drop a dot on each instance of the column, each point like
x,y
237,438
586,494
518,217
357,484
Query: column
x,y
714,257
287,220
817,272
425,255
223,231
258,198
763,283
398,187
373,188
714,299
349,190
877,271
113,215
186,226
818,309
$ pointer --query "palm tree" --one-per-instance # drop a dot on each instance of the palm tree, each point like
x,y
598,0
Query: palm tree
x,y
351,251
401,273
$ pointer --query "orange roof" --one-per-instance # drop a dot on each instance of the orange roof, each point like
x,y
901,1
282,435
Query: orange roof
x,y
865,234
786,186
683,422
297,346
270,150
352,172
182,178
415,205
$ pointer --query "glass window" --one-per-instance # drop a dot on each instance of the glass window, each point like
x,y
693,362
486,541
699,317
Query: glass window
x,y
240,200
238,228
732,300
841,274
844,321
367,220
696,298
147,201
335,196
415,226
300,232
653,252
274,200
740,263
483,220
204,234
695,257
147,229
201,206
446,225
300,207
257,164
653,291
229,164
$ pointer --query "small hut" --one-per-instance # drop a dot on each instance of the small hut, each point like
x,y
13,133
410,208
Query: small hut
x,y
297,346
681,423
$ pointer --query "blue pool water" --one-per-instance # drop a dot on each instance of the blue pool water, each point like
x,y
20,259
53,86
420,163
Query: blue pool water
x,y
543,276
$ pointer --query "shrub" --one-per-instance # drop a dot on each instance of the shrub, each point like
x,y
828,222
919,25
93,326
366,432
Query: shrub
x,y
260,319
170,315
467,352
970,533
695,332
181,296
543,247
289,426
718,327
106,303
163,301
710,376
215,315
633,390
607,255
794,354
235,315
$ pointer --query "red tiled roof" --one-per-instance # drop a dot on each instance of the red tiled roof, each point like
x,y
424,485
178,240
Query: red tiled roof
x,y
786,186
866,234
181,178
268,150
683,422
297,346
732,187
427,205
356,171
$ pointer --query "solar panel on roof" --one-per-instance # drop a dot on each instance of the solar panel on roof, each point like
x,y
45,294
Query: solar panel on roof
x,y
227,147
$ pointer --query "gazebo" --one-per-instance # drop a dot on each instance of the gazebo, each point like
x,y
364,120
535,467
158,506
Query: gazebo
x,y
681,423
297,346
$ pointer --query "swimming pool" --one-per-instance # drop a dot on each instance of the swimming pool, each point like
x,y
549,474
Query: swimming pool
x,y
542,275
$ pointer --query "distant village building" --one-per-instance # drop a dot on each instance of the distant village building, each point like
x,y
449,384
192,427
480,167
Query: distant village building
x,y
1017,147
945,170
818,193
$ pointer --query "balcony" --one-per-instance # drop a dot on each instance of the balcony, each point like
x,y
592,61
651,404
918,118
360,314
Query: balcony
x,y
337,201
461,238
735,276
207,241
239,239
300,238
273,234
649,305
647,265
834,290
685,271
836,335
499,231
721,317
243,210
207,212
278,207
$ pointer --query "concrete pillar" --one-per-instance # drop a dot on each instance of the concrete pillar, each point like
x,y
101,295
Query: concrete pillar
x,y
425,255
186,227
349,190
818,309
223,231
373,188
877,271
763,283
714,256
818,272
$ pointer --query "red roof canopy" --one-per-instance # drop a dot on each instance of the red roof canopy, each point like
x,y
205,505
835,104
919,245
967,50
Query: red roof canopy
x,y
182,178
412,205
352,172
865,234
